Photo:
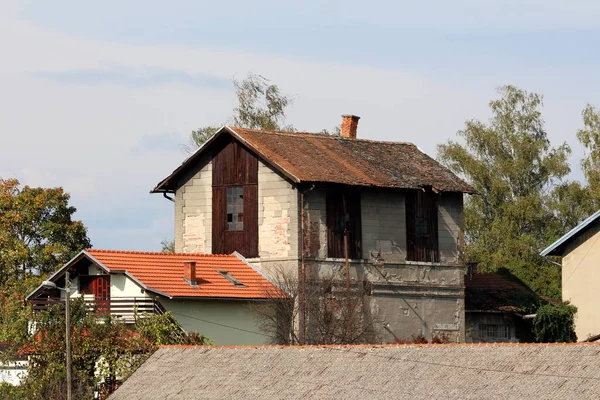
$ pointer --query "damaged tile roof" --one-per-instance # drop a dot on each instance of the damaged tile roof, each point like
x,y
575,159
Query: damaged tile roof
x,y
491,371
493,292
310,157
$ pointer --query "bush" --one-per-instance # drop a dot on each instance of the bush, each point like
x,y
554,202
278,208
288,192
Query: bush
x,y
555,323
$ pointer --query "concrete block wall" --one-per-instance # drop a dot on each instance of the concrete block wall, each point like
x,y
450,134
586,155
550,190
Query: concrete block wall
x,y
383,225
193,211
450,226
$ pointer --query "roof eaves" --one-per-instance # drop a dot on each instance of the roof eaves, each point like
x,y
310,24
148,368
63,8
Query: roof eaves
x,y
158,188
59,272
550,250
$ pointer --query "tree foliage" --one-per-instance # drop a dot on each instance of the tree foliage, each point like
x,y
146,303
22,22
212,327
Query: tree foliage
x,y
589,137
261,105
518,175
555,323
37,233
103,354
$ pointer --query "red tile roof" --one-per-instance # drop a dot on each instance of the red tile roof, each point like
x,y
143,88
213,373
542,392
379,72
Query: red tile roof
x,y
310,157
492,292
163,272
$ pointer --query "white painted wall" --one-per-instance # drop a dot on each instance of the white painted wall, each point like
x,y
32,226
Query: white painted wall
x,y
13,372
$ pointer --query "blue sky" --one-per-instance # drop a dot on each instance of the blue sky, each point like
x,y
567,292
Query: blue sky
x,y
98,97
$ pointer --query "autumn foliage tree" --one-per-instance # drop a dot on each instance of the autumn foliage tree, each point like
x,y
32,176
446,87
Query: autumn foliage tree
x,y
37,232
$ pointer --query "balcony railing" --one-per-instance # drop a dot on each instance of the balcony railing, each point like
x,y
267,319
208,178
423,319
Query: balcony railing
x,y
124,308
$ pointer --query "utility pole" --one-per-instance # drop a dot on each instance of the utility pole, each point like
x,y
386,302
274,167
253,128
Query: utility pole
x,y
68,333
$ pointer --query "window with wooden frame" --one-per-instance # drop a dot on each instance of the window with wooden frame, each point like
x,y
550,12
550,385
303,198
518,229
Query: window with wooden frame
x,y
422,226
343,223
235,208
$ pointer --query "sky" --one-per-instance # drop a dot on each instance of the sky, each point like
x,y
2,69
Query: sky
x,y
99,97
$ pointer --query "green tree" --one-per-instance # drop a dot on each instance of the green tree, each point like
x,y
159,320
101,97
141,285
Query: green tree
x,y
37,232
589,136
167,246
261,105
555,323
103,354
514,168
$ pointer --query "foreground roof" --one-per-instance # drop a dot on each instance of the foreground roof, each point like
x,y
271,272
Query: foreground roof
x,y
162,273
557,248
311,157
362,372
493,292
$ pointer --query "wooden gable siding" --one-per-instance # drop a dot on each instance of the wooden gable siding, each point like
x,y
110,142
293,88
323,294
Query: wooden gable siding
x,y
422,243
234,165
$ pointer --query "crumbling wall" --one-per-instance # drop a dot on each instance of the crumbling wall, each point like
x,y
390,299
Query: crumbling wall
x,y
384,225
411,299
193,211
278,222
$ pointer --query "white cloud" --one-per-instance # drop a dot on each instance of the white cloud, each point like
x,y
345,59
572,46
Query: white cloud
x,y
80,135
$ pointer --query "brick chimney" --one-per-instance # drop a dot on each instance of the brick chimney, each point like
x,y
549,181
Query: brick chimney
x,y
189,272
349,126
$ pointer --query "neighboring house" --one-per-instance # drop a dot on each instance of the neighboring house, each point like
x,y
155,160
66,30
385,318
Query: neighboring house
x,y
490,371
208,294
290,200
14,369
580,252
497,309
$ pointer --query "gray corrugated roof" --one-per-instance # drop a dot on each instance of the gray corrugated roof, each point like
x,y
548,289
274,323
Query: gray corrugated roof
x,y
556,248
360,372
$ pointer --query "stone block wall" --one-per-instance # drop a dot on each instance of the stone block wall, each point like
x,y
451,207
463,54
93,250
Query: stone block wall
x,y
193,211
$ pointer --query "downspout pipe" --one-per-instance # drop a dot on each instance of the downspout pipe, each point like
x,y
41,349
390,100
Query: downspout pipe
x,y
167,197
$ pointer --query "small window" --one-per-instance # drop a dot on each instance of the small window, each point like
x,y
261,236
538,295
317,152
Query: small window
x,y
235,208
230,278
491,331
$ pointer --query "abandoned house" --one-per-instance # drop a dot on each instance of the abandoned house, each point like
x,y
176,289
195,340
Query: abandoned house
x,y
306,203
498,308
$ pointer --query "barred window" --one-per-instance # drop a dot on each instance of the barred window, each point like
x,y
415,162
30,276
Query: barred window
x,y
494,331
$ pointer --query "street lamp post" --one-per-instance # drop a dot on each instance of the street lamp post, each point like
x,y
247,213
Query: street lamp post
x,y
67,290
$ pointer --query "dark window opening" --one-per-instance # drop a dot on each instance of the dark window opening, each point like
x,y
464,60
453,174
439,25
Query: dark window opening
x,y
85,284
235,208
491,331
344,224
421,226
231,278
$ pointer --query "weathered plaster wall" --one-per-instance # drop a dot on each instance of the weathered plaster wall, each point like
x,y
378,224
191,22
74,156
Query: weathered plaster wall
x,y
426,299
581,282
450,226
193,211
237,322
383,225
